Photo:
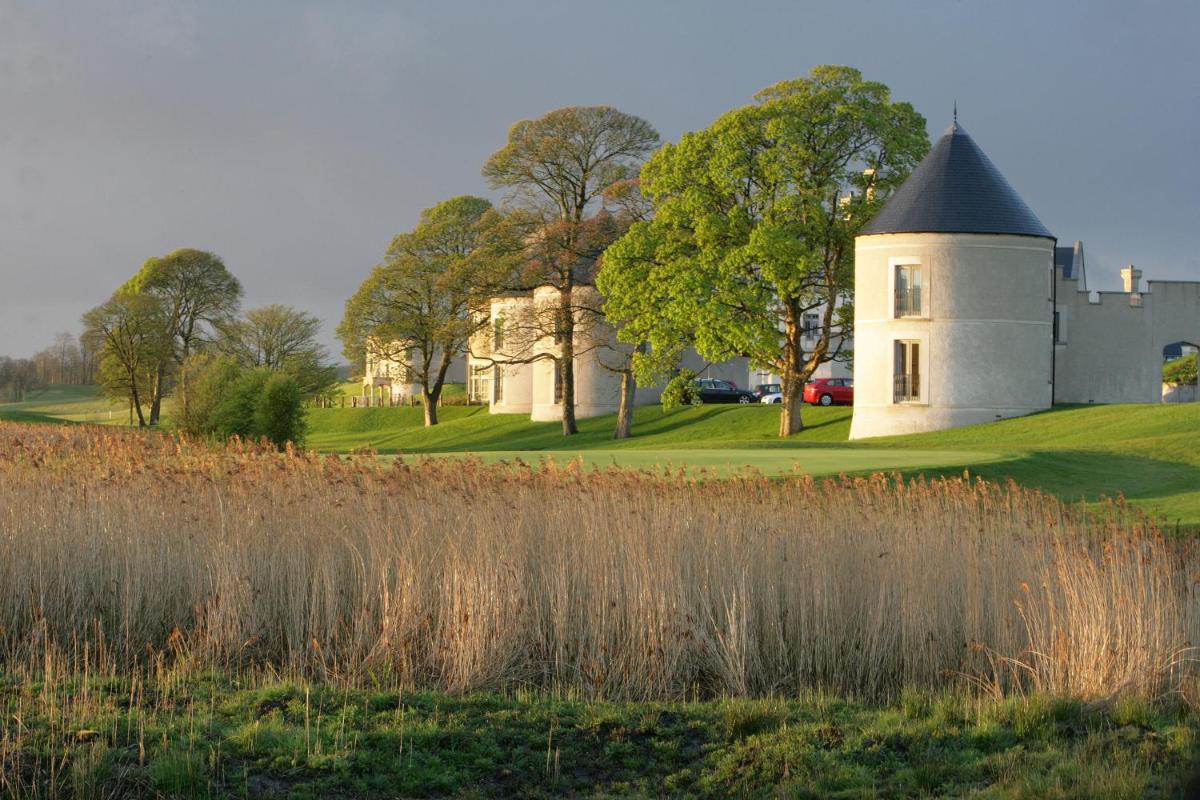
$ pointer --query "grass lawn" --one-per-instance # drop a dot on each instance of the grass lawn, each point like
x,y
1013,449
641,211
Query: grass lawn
x,y
65,403
208,736
1148,453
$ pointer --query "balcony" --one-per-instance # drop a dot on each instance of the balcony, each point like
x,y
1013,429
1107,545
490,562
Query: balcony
x,y
908,302
906,388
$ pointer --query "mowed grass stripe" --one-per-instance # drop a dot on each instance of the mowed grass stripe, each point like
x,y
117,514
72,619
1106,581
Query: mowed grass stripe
x,y
815,461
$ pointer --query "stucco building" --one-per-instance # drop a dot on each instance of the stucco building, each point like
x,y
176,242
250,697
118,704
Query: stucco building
x,y
389,380
513,361
967,311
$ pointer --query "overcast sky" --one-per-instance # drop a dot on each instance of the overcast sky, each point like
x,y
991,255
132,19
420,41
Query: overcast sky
x,y
294,139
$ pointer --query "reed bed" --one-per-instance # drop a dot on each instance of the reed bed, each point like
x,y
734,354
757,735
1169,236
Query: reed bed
x,y
119,550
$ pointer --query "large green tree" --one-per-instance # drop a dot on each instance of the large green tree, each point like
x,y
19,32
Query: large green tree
x,y
196,292
557,167
283,339
130,333
754,224
416,307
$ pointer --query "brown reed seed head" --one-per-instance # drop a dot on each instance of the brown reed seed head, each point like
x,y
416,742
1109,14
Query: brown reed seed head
x,y
457,575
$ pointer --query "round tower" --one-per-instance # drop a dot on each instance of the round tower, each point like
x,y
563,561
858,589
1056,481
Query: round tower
x,y
953,316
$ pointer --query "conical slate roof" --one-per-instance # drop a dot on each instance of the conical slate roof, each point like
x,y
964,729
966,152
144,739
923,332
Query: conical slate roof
x,y
956,189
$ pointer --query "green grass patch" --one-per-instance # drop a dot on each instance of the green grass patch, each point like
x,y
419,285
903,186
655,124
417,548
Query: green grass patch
x,y
215,737
1147,453
57,403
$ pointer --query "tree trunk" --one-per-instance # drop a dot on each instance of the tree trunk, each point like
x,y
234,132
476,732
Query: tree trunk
x,y
430,399
566,363
625,411
156,395
183,395
431,396
137,404
790,414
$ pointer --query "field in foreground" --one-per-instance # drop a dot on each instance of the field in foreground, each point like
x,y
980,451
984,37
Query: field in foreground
x,y
207,736
154,592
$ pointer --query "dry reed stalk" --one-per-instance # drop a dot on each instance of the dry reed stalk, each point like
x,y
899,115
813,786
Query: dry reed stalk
x,y
459,576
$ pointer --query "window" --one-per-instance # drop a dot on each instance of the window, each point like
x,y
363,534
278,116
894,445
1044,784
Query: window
x,y
907,372
1057,330
498,332
811,323
479,389
908,291
557,384
498,385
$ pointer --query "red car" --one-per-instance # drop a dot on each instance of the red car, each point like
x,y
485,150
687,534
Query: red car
x,y
827,391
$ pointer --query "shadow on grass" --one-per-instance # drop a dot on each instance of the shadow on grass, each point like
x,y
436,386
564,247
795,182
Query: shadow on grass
x,y
1166,489
32,417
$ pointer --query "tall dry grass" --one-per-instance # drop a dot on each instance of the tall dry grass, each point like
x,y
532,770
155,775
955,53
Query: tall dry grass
x,y
119,549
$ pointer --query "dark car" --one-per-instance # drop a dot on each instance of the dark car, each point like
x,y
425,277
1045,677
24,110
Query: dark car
x,y
711,390
764,389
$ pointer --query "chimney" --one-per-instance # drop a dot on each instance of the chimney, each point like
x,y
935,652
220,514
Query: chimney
x,y
869,182
1131,277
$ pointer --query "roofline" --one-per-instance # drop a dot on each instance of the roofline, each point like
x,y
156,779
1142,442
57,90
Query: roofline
x,y
1049,236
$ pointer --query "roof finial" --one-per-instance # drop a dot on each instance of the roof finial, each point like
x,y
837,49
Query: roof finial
x,y
956,111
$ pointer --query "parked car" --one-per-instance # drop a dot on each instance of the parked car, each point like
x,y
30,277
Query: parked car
x,y
711,390
829,391
774,398
764,389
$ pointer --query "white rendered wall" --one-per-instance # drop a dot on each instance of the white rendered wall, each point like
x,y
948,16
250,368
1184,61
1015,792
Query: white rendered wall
x,y
518,378
985,335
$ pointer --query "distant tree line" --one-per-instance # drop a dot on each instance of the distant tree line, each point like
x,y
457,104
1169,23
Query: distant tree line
x,y
175,329
67,361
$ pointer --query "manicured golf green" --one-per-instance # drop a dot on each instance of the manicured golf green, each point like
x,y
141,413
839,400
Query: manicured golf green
x,y
1150,454
808,461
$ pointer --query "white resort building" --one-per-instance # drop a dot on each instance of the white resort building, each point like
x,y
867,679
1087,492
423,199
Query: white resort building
x,y
967,311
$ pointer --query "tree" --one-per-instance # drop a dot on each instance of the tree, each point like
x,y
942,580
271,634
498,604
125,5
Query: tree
x,y
283,339
416,307
197,293
130,334
252,403
754,225
557,166
17,377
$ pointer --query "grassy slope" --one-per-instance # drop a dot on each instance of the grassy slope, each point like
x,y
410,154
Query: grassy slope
x,y
1149,453
64,403
205,736
1146,452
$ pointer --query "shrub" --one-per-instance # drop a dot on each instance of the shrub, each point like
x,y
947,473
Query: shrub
x,y
1180,370
676,393
226,400
279,411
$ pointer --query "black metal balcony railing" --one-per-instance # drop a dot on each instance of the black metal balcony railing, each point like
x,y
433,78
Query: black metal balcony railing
x,y
906,388
908,302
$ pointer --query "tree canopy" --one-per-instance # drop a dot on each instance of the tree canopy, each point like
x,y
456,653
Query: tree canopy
x,y
753,228
557,167
282,339
196,293
416,307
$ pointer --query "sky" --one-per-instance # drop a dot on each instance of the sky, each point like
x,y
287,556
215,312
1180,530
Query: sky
x,y
295,139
